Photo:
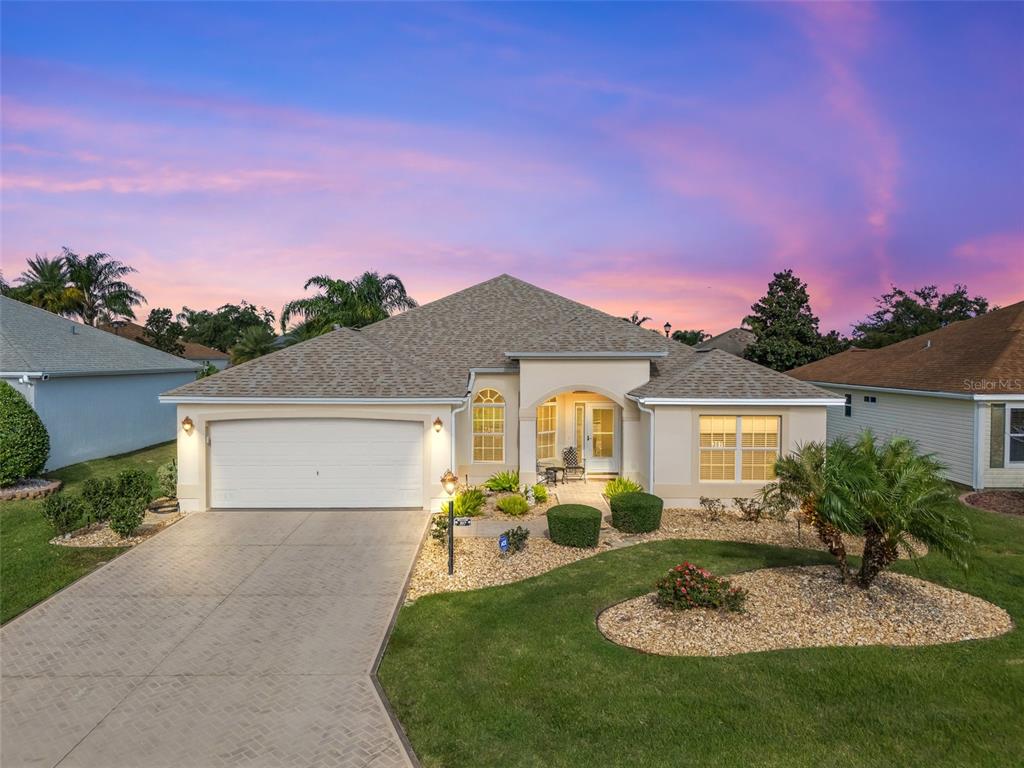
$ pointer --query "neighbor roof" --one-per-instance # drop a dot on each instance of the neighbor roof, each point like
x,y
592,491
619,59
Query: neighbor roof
x,y
430,351
983,355
734,341
191,350
33,340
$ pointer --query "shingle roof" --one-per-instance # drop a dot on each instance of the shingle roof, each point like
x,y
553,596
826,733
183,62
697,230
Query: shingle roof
x,y
959,358
734,341
429,351
191,350
33,340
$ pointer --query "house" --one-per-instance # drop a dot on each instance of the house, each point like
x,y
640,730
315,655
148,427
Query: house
x,y
734,341
499,376
957,391
191,350
95,393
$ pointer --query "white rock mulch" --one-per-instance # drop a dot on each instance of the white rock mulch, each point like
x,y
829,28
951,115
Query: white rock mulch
x,y
804,607
100,535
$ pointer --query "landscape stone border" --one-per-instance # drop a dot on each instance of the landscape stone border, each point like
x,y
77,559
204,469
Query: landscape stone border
x,y
34,488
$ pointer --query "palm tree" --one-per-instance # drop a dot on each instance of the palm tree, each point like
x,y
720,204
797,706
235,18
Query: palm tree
x,y
255,341
635,319
350,303
904,495
45,285
103,293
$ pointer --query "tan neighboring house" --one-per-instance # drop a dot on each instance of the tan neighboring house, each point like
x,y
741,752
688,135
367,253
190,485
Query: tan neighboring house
x,y
734,341
197,353
500,376
957,391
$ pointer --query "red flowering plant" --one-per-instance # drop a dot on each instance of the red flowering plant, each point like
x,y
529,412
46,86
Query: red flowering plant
x,y
690,586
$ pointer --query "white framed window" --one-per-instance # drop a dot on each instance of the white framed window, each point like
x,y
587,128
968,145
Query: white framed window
x,y
1015,435
743,448
547,430
488,427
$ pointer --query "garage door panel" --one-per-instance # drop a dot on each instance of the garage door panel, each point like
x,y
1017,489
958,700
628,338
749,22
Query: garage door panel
x,y
316,463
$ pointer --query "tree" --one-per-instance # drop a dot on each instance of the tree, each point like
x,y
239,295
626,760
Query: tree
x,y
902,315
636,319
349,303
24,442
163,331
223,328
690,338
208,369
102,292
786,329
45,285
255,341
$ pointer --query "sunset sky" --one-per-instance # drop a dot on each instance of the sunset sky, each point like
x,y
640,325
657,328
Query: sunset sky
x,y
660,158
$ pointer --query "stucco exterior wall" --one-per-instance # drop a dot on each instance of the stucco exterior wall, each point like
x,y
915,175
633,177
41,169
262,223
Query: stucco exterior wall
x,y
193,468
508,385
677,457
1010,475
89,417
940,425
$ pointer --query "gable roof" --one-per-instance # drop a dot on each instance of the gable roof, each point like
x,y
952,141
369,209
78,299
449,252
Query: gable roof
x,y
33,340
430,351
191,350
957,358
734,341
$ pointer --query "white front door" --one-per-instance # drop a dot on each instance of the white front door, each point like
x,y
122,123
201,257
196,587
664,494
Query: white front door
x,y
601,441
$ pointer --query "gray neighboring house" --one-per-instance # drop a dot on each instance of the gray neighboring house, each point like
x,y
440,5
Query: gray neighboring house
x,y
95,392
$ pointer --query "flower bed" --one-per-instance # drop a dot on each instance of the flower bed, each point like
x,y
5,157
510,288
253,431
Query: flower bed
x,y
100,534
30,488
807,607
1007,502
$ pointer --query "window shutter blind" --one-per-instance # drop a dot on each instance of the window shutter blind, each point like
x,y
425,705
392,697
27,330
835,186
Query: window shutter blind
x,y
997,437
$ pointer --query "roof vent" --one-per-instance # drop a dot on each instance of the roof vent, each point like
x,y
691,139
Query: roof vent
x,y
335,327
702,349
928,344
74,330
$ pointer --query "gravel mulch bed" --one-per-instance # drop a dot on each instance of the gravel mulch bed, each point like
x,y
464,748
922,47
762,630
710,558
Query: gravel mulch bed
x,y
1007,502
30,488
805,607
100,535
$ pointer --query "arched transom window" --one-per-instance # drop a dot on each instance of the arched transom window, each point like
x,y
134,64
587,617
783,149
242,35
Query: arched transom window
x,y
489,426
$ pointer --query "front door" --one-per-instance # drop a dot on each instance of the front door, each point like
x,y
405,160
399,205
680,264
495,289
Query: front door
x,y
601,442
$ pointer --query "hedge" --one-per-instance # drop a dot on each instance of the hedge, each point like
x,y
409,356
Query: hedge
x,y
574,525
636,512
24,443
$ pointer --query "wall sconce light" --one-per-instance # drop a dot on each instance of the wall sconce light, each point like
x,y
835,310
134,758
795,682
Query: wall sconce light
x,y
187,426
449,482
438,424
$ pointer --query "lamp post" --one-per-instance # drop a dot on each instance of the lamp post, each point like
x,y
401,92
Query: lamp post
x,y
449,483
668,329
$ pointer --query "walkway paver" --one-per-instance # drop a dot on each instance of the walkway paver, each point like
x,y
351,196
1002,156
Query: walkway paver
x,y
240,638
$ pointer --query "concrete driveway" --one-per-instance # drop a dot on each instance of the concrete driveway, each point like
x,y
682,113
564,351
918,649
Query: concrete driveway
x,y
231,638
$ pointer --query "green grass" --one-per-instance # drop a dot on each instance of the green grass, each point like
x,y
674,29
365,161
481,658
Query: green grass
x,y
519,676
32,569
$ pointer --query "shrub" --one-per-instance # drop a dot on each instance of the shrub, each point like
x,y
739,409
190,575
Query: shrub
x,y
64,511
750,508
690,586
620,485
540,493
99,494
516,539
439,529
713,509
636,512
469,502
167,478
136,484
774,504
507,482
126,515
574,525
24,443
514,505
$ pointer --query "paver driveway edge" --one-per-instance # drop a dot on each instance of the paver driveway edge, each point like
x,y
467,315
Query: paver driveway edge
x,y
395,722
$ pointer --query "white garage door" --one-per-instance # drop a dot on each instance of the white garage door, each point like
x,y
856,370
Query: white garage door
x,y
274,463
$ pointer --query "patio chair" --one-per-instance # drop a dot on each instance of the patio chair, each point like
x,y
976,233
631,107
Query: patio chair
x,y
574,465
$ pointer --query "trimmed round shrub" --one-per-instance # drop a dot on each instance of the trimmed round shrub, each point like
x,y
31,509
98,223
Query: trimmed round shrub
x,y
126,516
99,494
636,512
167,478
134,483
24,443
574,525
64,511
514,505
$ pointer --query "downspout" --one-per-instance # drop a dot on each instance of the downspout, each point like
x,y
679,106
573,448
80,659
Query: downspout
x,y
976,466
650,447
460,409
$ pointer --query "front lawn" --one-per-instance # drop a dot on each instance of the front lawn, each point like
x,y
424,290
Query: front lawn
x,y
32,569
518,675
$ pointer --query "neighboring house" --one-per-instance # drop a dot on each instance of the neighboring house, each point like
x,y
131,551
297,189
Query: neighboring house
x,y
957,391
500,376
197,353
96,393
734,341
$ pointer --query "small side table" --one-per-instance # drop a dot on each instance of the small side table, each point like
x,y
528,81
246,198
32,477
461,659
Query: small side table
x,y
552,474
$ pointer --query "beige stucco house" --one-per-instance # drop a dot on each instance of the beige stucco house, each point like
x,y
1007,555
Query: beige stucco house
x,y
502,375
